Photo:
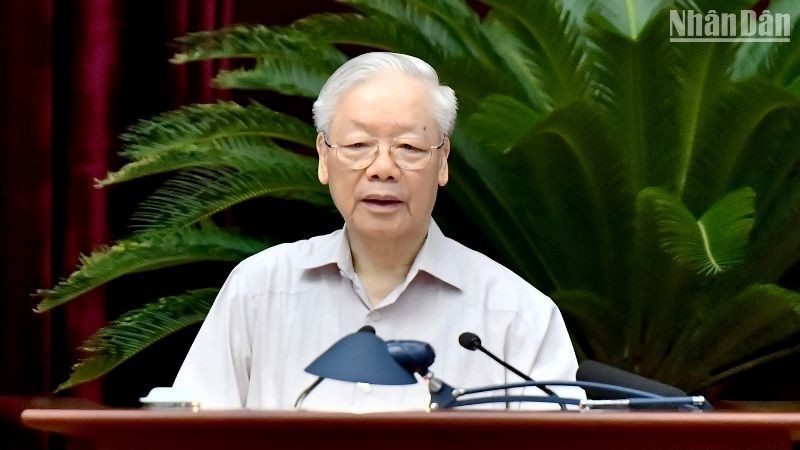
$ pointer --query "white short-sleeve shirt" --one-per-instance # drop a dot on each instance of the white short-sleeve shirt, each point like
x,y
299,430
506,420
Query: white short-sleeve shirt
x,y
283,307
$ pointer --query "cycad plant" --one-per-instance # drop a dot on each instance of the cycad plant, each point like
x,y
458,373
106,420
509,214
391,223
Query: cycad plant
x,y
650,188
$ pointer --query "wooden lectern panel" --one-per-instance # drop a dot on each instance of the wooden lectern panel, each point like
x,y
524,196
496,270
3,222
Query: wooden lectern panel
x,y
461,430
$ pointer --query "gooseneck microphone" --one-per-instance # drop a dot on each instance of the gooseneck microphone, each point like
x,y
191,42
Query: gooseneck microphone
x,y
472,342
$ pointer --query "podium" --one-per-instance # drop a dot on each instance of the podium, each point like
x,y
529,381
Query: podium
x,y
462,430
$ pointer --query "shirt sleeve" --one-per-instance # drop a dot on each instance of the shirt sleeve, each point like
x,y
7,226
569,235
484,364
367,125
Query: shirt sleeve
x,y
216,370
539,344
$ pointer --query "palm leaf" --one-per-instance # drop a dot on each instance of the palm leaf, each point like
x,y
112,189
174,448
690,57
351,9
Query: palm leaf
x,y
253,42
602,328
501,122
727,336
761,122
715,242
222,134
380,31
779,62
655,293
302,76
556,53
629,78
560,184
462,22
136,330
199,194
775,246
374,31
147,252
629,17
520,61
415,18
794,88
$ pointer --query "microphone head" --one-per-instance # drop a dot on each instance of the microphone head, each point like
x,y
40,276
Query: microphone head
x,y
367,329
469,341
414,356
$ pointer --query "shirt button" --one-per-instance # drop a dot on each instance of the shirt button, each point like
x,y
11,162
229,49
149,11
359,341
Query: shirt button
x,y
374,315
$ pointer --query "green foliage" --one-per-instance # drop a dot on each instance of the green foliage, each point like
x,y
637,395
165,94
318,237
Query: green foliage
x,y
713,243
150,251
136,330
651,188
217,135
197,195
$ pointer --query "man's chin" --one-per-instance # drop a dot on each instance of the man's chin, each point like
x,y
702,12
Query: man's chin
x,y
379,227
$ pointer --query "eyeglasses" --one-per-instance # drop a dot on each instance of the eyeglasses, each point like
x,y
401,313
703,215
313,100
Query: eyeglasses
x,y
359,152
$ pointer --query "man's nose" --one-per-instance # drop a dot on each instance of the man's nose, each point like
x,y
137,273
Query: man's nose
x,y
384,166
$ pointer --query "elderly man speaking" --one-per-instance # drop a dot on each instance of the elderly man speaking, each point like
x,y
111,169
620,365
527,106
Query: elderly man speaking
x,y
384,123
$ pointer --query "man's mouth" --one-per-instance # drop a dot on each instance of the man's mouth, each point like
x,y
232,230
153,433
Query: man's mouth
x,y
382,201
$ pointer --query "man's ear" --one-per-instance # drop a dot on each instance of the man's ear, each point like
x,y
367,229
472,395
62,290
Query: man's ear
x,y
322,167
444,173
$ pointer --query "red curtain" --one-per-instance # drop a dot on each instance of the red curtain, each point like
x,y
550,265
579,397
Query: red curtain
x,y
26,190
66,84
74,76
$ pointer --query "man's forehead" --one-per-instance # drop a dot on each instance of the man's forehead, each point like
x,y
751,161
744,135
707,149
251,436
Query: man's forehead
x,y
399,125
406,106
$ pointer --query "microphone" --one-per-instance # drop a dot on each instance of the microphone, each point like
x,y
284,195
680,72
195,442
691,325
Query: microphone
x,y
602,373
414,356
472,342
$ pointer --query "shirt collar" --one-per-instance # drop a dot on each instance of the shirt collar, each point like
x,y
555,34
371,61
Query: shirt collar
x,y
433,258
331,249
437,259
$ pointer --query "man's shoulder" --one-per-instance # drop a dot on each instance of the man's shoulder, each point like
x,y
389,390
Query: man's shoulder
x,y
492,283
287,255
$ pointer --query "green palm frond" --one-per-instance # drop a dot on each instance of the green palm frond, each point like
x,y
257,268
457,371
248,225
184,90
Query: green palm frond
x,y
775,244
761,122
777,62
520,61
555,55
655,294
136,330
150,251
199,194
233,152
730,335
254,42
463,22
415,18
501,122
370,31
715,242
287,61
623,72
794,88
604,329
717,5
195,124
220,134
628,17
702,70
469,77
302,76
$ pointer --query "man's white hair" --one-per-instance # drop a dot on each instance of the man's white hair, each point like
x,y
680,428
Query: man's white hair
x,y
363,67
